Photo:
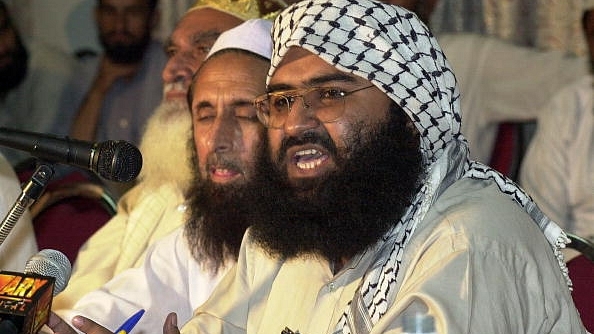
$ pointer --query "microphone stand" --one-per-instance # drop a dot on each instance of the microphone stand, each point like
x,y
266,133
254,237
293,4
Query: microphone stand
x,y
31,192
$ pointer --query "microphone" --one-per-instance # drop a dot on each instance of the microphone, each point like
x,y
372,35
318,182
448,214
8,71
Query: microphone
x,y
115,160
26,298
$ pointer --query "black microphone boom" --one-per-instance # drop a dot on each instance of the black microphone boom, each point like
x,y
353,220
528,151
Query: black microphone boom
x,y
115,160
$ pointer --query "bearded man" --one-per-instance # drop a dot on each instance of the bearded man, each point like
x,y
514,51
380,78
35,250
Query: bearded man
x,y
34,79
181,270
156,206
109,85
372,208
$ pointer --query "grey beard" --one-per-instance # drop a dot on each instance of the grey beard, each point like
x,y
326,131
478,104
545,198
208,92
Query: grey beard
x,y
164,146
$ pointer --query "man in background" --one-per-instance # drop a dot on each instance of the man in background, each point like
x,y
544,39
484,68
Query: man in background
x,y
558,169
114,93
156,206
33,82
119,89
499,81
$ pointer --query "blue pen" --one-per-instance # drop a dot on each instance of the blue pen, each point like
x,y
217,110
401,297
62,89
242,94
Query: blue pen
x,y
127,326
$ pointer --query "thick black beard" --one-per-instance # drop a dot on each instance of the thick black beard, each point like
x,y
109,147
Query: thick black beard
x,y
125,54
12,75
353,207
218,217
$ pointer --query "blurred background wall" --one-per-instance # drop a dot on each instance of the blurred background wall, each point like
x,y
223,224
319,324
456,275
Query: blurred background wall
x,y
69,24
544,24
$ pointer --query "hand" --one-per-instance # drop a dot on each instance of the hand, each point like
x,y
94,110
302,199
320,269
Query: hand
x,y
109,72
83,324
170,325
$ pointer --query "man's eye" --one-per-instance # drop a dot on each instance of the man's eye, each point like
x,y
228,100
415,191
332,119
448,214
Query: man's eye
x,y
331,93
202,49
280,103
246,112
204,114
170,52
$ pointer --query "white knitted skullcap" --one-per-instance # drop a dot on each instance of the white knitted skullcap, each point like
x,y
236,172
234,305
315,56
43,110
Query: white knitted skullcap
x,y
252,35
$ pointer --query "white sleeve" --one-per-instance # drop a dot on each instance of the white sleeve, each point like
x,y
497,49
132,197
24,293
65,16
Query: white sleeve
x,y
159,286
545,168
500,81
20,244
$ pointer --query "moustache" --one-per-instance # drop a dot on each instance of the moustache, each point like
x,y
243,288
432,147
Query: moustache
x,y
217,161
118,34
178,85
322,140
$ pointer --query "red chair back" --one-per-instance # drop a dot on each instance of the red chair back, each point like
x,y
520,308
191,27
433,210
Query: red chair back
x,y
67,223
581,272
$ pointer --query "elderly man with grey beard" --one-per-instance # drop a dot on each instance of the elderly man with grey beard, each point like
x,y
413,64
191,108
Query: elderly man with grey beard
x,y
181,269
156,205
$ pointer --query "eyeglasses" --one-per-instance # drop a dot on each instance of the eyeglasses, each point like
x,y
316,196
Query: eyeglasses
x,y
326,102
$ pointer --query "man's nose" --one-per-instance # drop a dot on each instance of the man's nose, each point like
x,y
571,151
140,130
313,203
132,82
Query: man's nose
x,y
178,67
301,116
222,135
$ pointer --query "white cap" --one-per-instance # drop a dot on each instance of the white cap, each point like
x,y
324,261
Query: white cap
x,y
252,35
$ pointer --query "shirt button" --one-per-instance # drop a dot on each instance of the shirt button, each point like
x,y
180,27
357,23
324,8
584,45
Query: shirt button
x,y
124,123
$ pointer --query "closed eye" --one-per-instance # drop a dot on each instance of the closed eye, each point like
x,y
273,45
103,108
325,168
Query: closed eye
x,y
203,113
246,111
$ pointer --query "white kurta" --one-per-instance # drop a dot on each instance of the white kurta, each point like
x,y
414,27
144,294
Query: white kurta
x,y
500,82
20,244
145,214
558,169
477,262
170,280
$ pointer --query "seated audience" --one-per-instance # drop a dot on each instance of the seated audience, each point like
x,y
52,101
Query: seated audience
x,y
109,85
156,205
181,270
558,169
370,206
114,93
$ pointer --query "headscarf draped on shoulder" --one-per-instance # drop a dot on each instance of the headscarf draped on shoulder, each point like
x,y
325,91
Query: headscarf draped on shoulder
x,y
395,51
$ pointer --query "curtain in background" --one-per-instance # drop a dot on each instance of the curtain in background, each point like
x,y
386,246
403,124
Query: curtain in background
x,y
544,24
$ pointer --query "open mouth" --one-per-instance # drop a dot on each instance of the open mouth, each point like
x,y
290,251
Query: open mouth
x,y
309,159
223,174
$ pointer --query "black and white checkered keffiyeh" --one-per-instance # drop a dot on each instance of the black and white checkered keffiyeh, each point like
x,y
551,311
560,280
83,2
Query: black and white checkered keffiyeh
x,y
393,49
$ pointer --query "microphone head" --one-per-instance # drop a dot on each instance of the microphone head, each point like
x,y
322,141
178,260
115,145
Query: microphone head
x,y
118,160
50,262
